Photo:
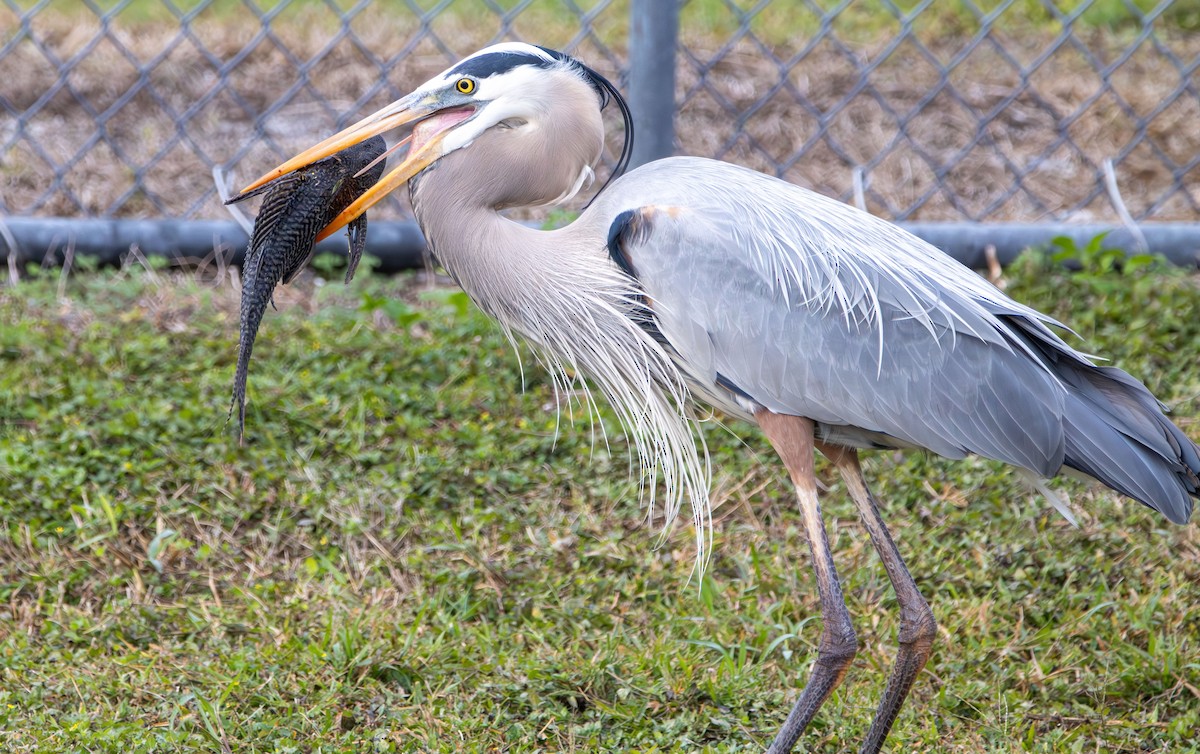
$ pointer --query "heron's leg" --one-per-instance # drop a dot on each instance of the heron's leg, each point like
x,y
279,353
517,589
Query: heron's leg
x,y
917,626
792,438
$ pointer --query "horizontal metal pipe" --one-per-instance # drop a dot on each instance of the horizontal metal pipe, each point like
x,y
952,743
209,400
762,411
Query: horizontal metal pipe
x,y
396,245
400,245
968,242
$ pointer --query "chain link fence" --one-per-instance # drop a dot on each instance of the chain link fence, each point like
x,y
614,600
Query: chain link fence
x,y
1006,110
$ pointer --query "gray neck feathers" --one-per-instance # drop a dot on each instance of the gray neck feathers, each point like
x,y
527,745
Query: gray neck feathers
x,y
561,291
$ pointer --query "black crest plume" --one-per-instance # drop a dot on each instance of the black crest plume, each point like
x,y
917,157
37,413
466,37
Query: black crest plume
x,y
607,91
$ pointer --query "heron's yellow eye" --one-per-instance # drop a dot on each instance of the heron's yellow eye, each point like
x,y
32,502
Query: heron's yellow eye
x,y
466,86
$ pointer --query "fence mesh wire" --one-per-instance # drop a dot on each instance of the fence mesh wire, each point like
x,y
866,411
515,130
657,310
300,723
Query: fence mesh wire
x,y
983,111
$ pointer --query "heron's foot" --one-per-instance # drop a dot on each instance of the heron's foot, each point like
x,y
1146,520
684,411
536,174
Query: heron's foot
x,y
917,630
834,655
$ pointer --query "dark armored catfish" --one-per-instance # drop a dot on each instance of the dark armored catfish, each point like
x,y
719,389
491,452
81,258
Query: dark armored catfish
x,y
297,207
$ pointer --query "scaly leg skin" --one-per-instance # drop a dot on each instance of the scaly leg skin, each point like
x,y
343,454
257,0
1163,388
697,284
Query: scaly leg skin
x,y
917,625
792,438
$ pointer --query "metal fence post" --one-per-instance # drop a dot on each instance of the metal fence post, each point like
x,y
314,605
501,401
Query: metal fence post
x,y
653,33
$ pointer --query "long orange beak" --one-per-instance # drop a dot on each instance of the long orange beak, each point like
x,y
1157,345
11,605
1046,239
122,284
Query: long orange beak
x,y
424,151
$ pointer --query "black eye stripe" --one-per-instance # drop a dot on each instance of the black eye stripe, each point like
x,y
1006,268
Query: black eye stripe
x,y
493,63
483,66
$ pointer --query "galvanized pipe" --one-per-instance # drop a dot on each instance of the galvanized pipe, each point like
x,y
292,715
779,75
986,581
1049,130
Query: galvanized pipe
x,y
400,245
396,245
968,242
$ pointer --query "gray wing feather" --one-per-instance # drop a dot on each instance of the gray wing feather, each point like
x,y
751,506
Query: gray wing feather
x,y
815,309
811,307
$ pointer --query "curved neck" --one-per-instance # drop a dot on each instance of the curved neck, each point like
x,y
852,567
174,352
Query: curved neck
x,y
562,291
501,263
533,155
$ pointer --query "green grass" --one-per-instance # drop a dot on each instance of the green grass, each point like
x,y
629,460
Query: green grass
x,y
406,556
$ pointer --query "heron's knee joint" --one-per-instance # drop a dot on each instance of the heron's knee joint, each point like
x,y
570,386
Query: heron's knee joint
x,y
838,647
917,626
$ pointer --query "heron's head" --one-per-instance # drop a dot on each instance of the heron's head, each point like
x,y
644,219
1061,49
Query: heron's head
x,y
512,104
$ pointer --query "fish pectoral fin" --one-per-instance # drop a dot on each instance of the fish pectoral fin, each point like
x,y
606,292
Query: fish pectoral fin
x,y
357,233
253,192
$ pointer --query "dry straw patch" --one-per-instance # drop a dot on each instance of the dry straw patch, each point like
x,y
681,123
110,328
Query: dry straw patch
x,y
928,156
965,146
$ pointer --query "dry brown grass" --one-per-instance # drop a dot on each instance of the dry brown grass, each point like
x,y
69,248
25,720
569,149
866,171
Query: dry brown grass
x,y
979,168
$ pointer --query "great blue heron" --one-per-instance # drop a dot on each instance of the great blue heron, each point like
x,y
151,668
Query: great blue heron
x,y
688,279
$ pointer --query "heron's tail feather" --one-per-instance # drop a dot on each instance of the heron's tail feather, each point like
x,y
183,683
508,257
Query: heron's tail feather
x,y
1117,432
